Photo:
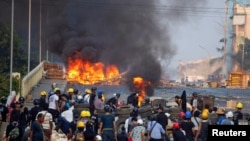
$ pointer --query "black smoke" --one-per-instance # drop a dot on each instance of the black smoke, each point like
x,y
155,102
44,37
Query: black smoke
x,y
135,35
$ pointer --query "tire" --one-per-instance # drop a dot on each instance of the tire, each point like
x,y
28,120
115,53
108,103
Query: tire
x,y
145,108
162,102
124,110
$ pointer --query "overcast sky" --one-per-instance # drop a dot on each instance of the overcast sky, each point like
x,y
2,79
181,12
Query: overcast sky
x,y
199,38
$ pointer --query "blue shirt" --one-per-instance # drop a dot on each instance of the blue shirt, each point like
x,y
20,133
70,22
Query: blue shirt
x,y
107,121
156,130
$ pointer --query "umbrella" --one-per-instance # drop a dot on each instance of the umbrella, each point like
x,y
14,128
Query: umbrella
x,y
184,101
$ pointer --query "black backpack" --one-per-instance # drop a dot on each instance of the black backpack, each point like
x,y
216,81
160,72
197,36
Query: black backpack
x,y
89,133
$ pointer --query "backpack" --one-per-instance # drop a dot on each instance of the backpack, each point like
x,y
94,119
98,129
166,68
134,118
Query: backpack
x,y
89,133
14,133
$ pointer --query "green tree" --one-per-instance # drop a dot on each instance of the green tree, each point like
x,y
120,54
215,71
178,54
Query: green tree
x,y
19,60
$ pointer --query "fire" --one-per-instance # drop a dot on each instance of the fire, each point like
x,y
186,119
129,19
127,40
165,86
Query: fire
x,y
140,85
89,73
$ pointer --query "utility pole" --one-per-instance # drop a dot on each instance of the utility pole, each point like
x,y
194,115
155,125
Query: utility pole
x,y
11,43
29,36
40,33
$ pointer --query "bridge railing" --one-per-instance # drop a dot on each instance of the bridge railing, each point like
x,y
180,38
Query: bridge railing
x,y
31,79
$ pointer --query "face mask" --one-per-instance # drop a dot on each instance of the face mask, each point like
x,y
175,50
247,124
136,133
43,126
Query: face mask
x,y
80,128
41,120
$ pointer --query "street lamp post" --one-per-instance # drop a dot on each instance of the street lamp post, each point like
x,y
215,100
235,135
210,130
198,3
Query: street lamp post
x,y
29,36
11,44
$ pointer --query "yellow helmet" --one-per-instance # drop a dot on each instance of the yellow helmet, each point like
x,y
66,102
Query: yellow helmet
x,y
87,91
84,113
80,124
204,115
43,93
88,114
55,89
239,105
70,90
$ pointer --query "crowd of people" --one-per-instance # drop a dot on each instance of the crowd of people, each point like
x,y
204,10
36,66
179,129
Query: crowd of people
x,y
54,111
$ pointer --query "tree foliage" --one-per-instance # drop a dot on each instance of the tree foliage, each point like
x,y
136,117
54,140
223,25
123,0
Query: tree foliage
x,y
19,60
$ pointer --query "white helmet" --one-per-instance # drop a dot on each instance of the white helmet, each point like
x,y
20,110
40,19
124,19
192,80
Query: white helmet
x,y
229,114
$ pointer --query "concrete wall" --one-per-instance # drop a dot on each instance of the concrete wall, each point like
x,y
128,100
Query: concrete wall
x,y
31,79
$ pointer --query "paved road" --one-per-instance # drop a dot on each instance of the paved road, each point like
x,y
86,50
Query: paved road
x,y
45,85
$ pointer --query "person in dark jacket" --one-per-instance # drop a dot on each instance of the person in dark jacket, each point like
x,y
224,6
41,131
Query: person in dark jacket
x,y
122,136
92,99
178,135
163,120
113,102
42,100
10,130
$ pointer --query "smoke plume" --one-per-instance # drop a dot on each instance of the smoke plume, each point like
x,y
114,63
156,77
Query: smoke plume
x,y
135,35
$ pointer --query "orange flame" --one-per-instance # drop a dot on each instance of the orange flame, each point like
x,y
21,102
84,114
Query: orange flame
x,y
88,73
140,86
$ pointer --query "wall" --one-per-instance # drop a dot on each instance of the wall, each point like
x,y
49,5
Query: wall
x,y
31,79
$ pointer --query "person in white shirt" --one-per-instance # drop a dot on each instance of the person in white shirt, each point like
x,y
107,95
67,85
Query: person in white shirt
x,y
48,121
68,114
54,105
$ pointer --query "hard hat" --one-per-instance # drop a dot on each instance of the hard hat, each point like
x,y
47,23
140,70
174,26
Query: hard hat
x,y
43,93
176,125
70,90
3,100
204,115
88,114
21,99
87,91
99,92
181,114
239,105
84,113
56,89
80,124
229,114
188,114
36,101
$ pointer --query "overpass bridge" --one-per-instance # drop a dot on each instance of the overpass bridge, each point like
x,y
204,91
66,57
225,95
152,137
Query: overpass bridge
x,y
35,82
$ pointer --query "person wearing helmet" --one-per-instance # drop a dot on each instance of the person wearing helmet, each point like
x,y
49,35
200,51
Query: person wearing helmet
x,y
238,115
54,104
220,115
178,134
86,96
79,134
107,126
34,110
42,100
163,120
98,102
202,132
188,126
70,93
229,119
90,131
113,102
21,100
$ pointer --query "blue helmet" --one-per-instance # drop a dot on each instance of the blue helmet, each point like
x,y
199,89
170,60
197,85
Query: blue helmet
x,y
99,92
188,114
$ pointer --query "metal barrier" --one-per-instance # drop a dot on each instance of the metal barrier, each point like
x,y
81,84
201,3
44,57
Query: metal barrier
x,y
31,79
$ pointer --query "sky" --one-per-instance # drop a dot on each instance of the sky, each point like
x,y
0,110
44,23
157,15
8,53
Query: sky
x,y
199,37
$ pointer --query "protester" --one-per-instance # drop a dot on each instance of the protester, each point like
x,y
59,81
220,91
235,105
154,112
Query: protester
x,y
48,121
229,119
36,130
238,114
202,133
107,127
154,130
13,130
188,126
